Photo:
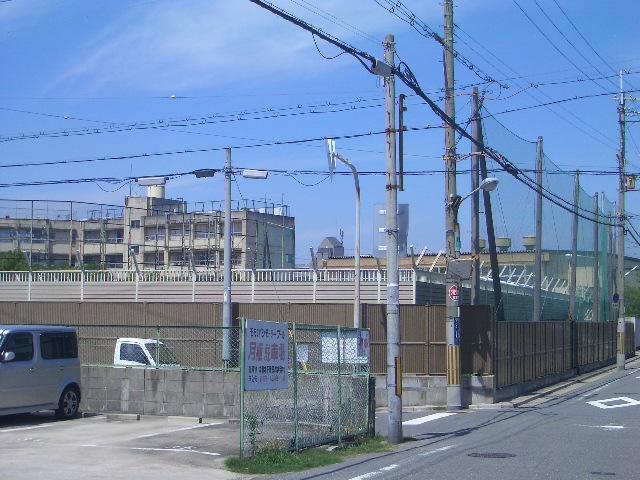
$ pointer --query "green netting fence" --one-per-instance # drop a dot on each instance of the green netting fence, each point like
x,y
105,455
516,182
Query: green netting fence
x,y
513,205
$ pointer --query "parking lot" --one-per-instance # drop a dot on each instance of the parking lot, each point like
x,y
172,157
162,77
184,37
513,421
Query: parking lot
x,y
115,446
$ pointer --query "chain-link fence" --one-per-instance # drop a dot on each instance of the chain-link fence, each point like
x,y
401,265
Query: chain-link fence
x,y
159,346
325,398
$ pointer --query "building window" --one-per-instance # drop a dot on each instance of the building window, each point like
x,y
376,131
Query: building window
x,y
236,227
134,249
135,224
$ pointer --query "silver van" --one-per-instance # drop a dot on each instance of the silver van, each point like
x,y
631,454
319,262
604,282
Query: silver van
x,y
39,370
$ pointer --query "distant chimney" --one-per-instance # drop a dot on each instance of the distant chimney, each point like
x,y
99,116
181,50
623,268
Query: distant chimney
x,y
155,191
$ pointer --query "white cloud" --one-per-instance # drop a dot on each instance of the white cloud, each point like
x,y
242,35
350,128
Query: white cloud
x,y
171,46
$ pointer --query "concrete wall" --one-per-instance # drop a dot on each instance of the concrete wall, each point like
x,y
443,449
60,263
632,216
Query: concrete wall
x,y
421,390
160,392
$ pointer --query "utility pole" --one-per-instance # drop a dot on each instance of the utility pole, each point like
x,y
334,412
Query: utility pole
x,y
595,309
454,390
226,299
476,131
394,371
537,286
491,236
574,248
620,357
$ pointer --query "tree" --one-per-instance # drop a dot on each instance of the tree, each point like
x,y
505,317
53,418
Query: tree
x,y
632,302
13,261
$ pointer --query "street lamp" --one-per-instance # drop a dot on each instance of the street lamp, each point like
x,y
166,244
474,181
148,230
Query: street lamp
x,y
332,156
454,389
226,296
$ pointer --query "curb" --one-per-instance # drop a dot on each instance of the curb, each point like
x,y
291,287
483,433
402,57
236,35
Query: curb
x,y
568,383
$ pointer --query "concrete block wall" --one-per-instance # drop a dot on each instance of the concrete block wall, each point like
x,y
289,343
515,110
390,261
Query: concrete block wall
x,y
420,390
160,392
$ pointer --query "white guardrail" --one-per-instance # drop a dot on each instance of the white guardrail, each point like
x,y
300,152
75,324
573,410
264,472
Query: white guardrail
x,y
274,275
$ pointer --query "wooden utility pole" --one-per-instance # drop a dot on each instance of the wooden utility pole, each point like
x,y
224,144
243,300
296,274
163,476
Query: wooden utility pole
x,y
620,357
394,371
454,390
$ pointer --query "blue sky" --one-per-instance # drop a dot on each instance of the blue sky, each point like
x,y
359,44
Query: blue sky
x,y
110,62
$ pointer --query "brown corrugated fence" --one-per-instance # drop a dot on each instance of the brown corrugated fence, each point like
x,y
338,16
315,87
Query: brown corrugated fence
x,y
515,352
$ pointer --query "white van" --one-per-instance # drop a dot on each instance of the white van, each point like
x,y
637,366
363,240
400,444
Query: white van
x,y
39,370
143,352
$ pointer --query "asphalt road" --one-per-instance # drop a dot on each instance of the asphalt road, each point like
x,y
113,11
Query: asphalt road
x,y
588,431
108,447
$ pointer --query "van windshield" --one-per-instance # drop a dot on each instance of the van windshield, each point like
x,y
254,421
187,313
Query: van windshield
x,y
1,338
161,353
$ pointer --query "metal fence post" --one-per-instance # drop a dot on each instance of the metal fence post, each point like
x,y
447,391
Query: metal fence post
x,y
295,386
339,390
157,346
30,283
242,380
315,282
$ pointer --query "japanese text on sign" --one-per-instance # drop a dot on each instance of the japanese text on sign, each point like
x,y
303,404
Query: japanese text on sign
x,y
266,356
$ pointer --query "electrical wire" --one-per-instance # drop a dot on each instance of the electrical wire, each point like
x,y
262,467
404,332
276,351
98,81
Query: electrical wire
x,y
556,48
208,149
402,12
404,73
603,139
559,30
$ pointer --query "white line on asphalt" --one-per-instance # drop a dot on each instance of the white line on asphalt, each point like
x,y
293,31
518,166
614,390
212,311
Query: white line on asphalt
x,y
626,402
437,450
605,427
203,425
428,418
179,450
365,475
19,429
390,467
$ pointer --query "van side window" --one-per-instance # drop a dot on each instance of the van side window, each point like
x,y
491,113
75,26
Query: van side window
x,y
56,346
131,352
21,344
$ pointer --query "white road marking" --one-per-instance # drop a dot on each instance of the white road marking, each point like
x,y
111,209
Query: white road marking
x,y
437,450
605,427
365,475
179,450
202,425
373,474
20,429
428,418
626,402
593,392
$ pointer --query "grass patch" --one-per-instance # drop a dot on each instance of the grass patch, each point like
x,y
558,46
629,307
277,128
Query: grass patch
x,y
273,461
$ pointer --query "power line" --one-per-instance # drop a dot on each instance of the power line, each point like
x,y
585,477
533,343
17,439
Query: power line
x,y
556,48
404,73
569,41
205,150
564,100
402,12
566,16
208,119
602,140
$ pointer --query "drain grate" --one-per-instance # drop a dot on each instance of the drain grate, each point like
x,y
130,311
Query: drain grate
x,y
605,474
492,455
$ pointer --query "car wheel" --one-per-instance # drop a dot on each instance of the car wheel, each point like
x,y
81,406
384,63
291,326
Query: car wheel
x,y
69,403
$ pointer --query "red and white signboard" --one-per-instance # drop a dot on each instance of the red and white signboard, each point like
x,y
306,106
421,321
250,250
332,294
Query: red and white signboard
x,y
453,292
